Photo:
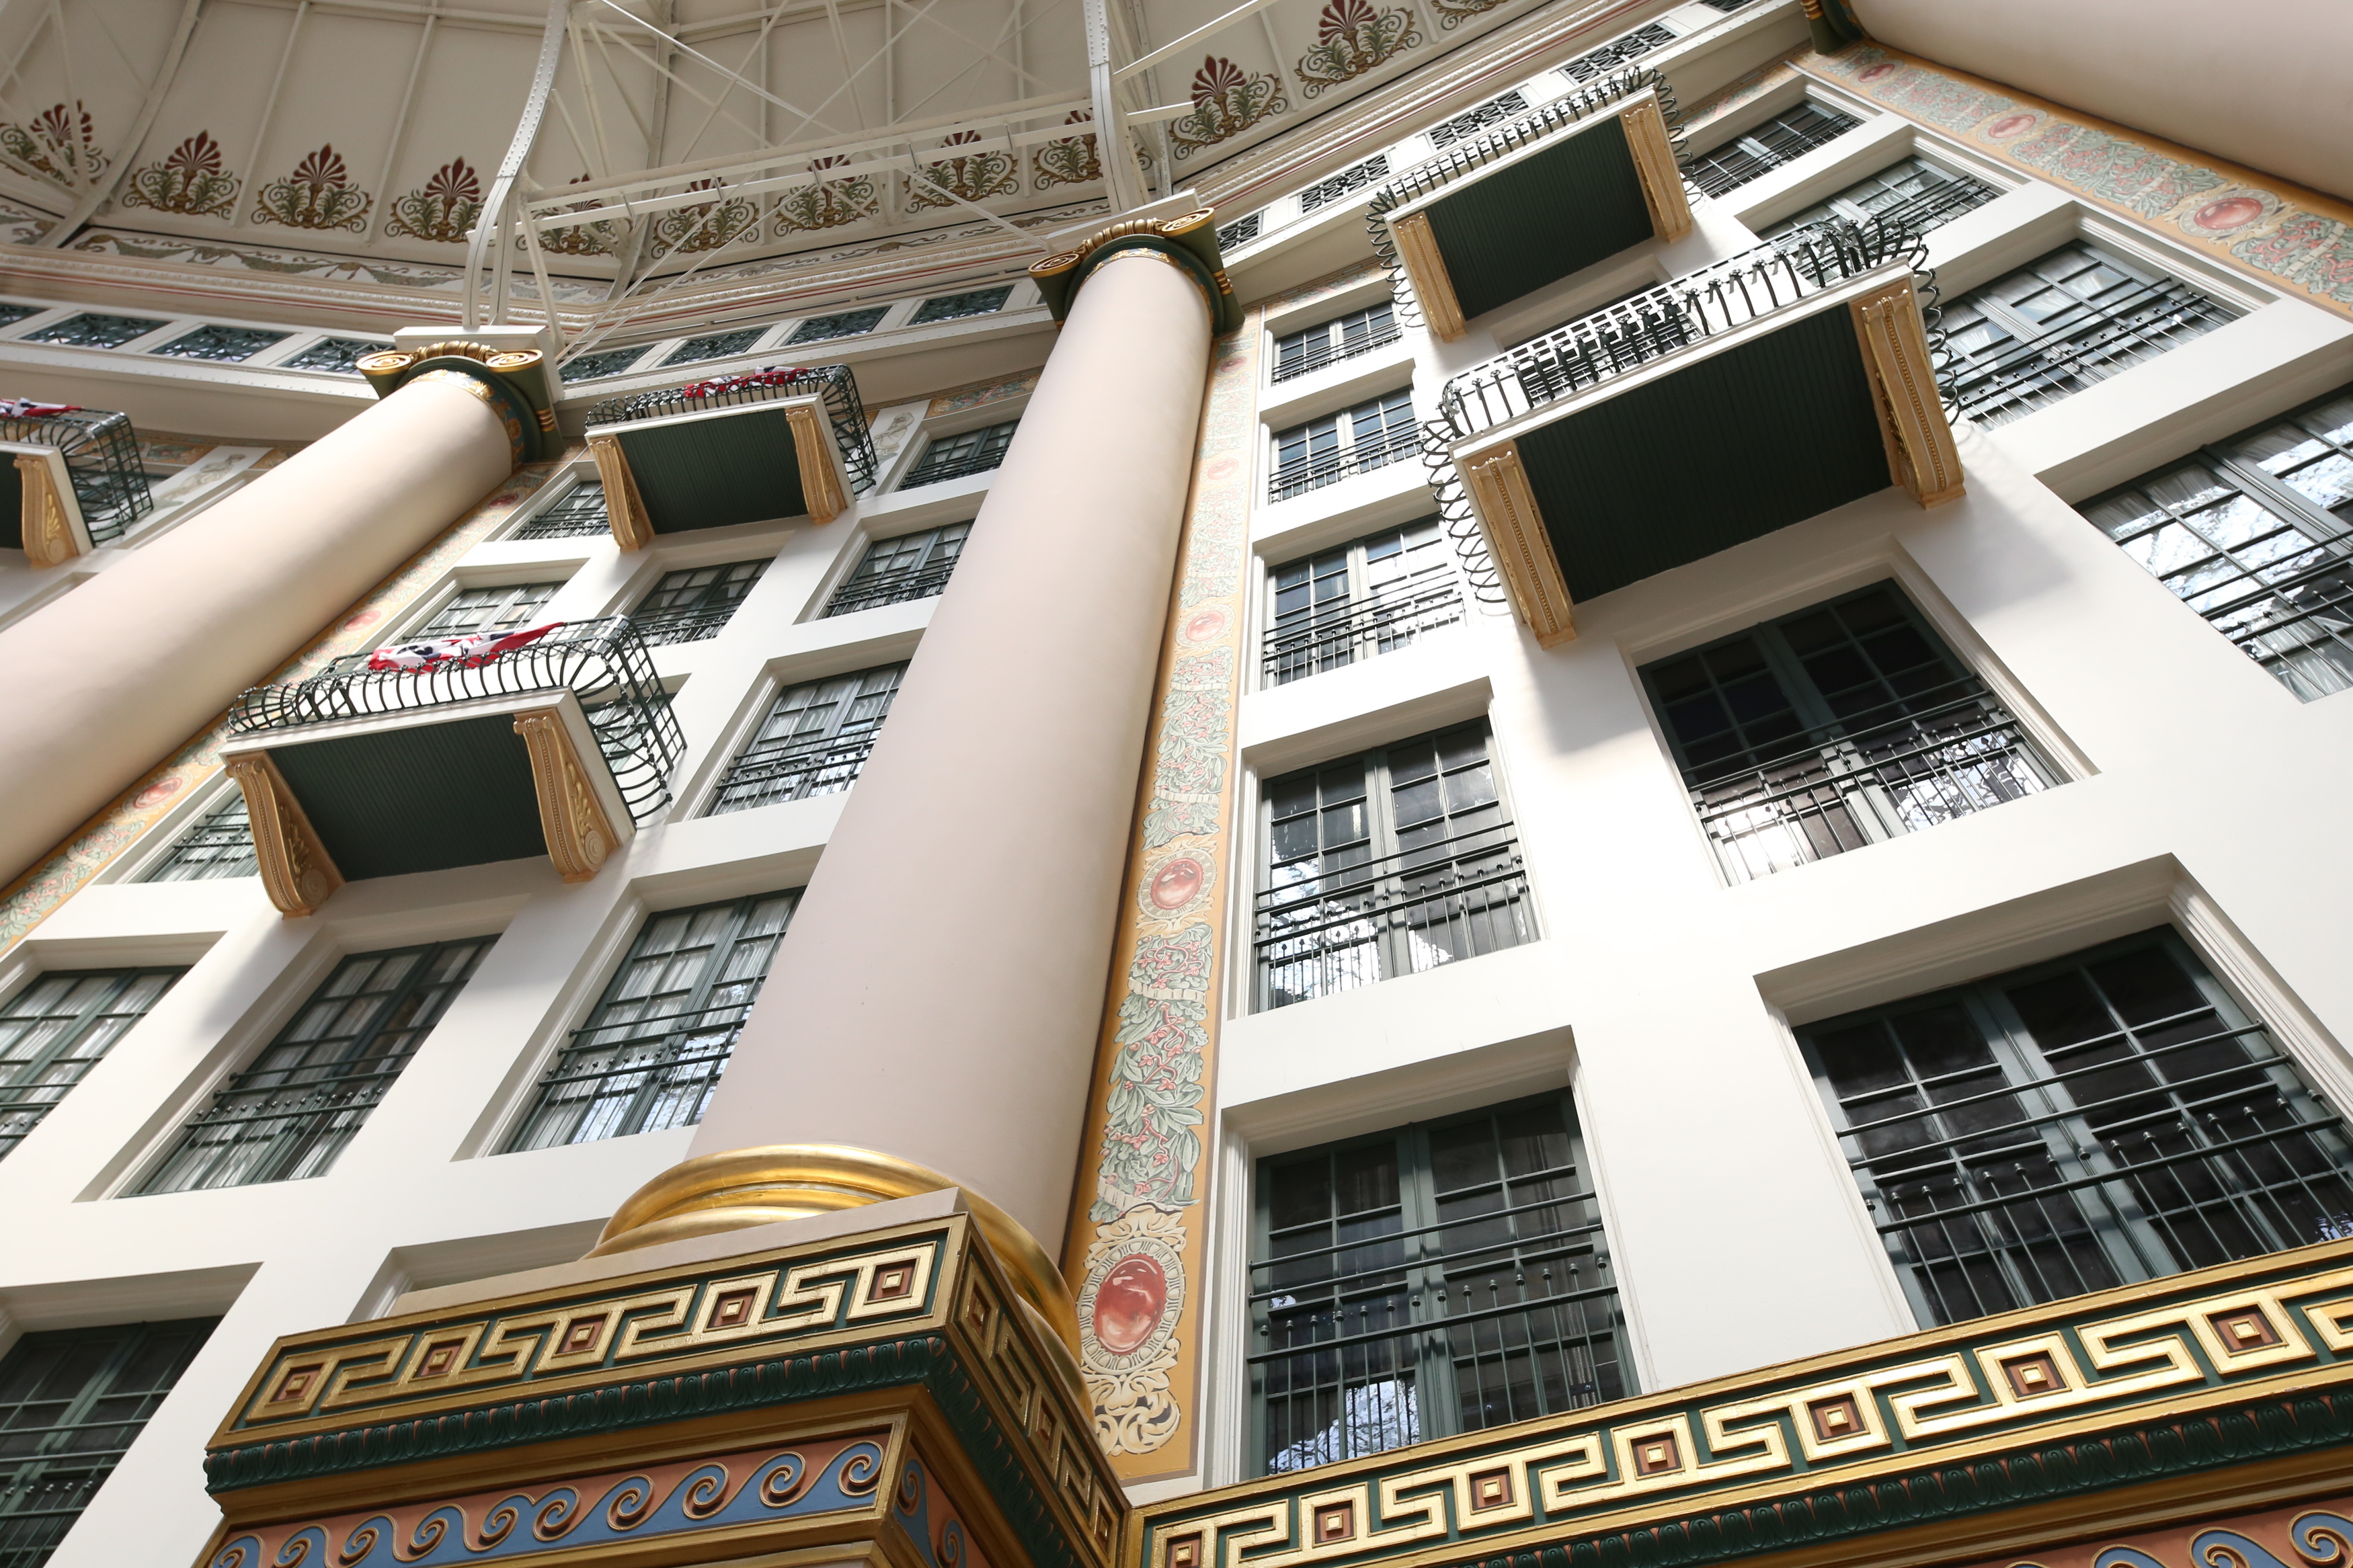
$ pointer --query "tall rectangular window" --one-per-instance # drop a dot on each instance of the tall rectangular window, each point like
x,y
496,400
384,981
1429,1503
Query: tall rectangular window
x,y
896,570
694,603
72,1400
1391,862
1326,343
1439,1278
1912,192
2111,1117
2076,316
1324,451
216,845
814,741
489,610
652,1050
1834,728
960,457
1374,595
580,511
2256,534
306,1096
55,1029
1783,139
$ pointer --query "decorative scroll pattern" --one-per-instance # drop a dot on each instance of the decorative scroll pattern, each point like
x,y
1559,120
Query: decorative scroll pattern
x,y
443,209
1072,159
59,145
706,226
758,1486
1352,38
943,1541
1227,101
318,195
2306,1536
971,177
189,180
829,203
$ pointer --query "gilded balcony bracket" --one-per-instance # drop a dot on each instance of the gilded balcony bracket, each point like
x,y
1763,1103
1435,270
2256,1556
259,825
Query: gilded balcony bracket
x,y
1919,439
50,534
1425,268
1655,167
813,445
580,837
1522,547
625,508
296,869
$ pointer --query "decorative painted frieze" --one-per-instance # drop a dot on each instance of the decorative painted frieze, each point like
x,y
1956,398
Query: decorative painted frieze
x,y
971,176
1351,38
189,180
1227,101
58,144
1452,14
829,203
1072,160
443,209
597,238
706,226
318,195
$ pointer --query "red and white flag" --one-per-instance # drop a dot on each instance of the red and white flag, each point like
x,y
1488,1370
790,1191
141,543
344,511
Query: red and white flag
x,y
466,652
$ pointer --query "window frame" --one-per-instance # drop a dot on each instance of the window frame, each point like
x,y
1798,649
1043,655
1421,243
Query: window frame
x,y
1424,594
1836,204
929,560
1312,466
1764,156
517,592
206,806
693,619
915,475
837,721
38,1066
554,499
1334,343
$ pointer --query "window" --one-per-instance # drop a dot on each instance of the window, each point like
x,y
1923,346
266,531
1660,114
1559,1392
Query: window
x,y
1375,595
815,740
660,1036
893,570
1912,192
217,844
1355,177
72,1402
2256,535
1239,233
955,457
338,356
488,609
951,307
1436,1279
1343,337
1834,728
1780,139
693,604
1324,451
1616,52
1389,863
594,367
91,330
2055,326
1494,111
842,324
2111,1117
715,345
229,345
581,510
286,1117
53,1030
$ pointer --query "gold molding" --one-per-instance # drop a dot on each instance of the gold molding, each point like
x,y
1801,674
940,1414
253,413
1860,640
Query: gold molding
x,y
296,869
820,486
1425,268
1921,456
48,537
1160,227
625,508
580,837
1654,166
1515,531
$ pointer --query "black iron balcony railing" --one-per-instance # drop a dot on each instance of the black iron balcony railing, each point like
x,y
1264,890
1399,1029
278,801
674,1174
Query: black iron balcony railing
x,y
688,623
1336,928
602,662
101,455
1327,637
2014,376
834,383
794,770
1332,350
1316,469
891,588
639,1075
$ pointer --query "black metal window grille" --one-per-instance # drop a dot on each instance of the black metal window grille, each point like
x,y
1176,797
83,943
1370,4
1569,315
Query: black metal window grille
x,y
1840,726
1439,1278
11,314
1473,121
1783,139
216,845
715,345
952,307
489,610
832,384
841,324
1353,178
1326,343
2255,533
693,604
338,356
1371,596
226,345
55,1029
2054,327
93,330
1913,191
1616,52
1724,5
894,571
101,456
652,1051
595,367
960,457
580,510
1239,232
1372,435
815,740
2111,1117
1389,863
288,1115
72,1400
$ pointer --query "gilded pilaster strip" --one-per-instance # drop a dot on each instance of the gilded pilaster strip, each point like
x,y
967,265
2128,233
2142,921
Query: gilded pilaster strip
x,y
812,445
48,538
296,869
1921,455
1522,546
580,837
1654,166
625,508
1425,268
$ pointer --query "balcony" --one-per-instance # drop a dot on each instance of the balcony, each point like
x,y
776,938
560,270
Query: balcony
x,y
554,741
1525,205
1800,371
735,448
79,482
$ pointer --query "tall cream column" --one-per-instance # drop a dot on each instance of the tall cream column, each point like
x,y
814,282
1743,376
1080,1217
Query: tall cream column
x,y
104,681
935,1007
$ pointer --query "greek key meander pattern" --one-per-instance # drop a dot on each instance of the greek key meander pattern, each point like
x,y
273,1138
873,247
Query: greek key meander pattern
x,y
1825,1423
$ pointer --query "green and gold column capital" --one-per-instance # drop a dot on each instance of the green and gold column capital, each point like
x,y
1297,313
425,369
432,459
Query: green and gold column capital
x,y
1188,242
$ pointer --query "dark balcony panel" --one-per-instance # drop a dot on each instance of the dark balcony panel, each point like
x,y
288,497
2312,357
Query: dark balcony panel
x,y
743,464
1538,221
362,793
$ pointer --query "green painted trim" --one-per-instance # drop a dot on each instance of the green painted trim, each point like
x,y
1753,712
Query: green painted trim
x,y
522,396
1507,232
1195,252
